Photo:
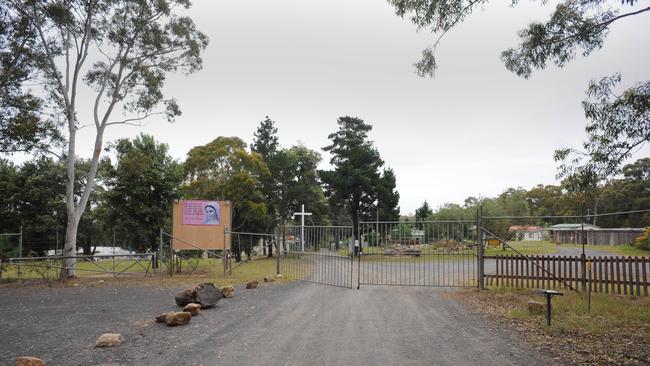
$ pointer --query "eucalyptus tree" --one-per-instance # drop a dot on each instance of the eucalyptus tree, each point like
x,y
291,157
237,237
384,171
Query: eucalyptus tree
x,y
618,123
573,27
122,52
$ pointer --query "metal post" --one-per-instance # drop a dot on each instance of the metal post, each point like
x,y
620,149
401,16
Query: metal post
x,y
583,258
589,292
160,250
225,258
302,229
548,310
277,255
20,243
20,248
113,251
479,228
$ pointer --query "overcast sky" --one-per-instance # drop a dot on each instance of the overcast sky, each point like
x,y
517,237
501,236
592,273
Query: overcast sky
x,y
474,130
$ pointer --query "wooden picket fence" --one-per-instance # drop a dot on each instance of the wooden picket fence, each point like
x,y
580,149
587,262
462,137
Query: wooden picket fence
x,y
616,275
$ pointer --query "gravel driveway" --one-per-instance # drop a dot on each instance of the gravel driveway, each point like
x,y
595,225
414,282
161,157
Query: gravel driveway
x,y
282,324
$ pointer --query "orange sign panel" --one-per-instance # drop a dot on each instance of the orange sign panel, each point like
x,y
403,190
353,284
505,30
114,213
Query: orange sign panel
x,y
201,224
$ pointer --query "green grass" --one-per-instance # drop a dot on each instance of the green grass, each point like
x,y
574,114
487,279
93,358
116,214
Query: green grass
x,y
615,331
624,249
524,247
570,312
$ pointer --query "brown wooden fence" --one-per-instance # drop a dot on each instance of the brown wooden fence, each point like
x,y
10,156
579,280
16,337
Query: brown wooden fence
x,y
617,275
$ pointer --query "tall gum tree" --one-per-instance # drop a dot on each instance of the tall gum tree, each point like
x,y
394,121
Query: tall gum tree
x,y
136,44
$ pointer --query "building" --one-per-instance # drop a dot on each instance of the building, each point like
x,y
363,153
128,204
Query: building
x,y
594,235
527,233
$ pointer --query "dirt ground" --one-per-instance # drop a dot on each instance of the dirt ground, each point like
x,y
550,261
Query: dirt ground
x,y
279,324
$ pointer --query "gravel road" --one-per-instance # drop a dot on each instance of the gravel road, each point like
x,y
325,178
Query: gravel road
x,y
282,324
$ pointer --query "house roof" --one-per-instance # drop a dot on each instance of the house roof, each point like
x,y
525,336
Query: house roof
x,y
574,227
524,228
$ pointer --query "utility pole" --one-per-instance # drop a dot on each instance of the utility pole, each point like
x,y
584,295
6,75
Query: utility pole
x,y
302,215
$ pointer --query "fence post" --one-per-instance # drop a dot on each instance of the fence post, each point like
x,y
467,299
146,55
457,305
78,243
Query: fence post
x,y
225,256
160,251
276,243
479,228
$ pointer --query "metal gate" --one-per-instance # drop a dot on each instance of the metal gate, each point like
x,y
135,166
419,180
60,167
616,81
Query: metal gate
x,y
319,254
423,253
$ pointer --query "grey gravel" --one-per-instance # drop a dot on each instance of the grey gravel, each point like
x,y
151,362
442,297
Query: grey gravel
x,y
279,324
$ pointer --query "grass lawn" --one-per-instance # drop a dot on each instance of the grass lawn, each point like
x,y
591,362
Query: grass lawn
x,y
616,331
624,249
209,270
524,247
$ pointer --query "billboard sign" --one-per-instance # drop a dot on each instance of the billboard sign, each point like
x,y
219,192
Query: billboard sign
x,y
201,213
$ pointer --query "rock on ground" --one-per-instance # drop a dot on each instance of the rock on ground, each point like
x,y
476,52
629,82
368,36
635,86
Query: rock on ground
x,y
536,307
192,308
268,279
109,340
175,318
228,291
207,295
186,296
252,284
204,294
29,361
161,318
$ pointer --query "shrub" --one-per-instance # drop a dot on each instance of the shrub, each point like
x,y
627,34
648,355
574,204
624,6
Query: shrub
x,y
643,241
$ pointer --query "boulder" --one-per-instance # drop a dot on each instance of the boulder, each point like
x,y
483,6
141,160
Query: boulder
x,y
252,284
29,361
536,307
278,275
161,318
268,279
228,291
207,295
192,308
175,318
186,296
109,340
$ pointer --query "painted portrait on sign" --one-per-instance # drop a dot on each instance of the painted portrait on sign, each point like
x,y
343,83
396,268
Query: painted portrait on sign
x,y
201,213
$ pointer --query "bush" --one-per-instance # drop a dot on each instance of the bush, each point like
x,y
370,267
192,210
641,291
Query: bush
x,y
643,241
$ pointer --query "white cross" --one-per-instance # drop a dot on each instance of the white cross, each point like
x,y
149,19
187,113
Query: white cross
x,y
302,215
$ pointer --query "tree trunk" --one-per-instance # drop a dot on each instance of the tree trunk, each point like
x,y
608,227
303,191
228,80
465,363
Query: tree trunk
x,y
68,269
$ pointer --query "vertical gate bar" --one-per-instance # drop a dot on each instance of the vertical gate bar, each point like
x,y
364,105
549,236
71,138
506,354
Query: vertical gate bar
x,y
645,277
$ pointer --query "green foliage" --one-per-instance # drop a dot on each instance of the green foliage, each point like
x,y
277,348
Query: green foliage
x,y
23,126
643,241
354,184
223,169
573,27
618,124
141,189
423,212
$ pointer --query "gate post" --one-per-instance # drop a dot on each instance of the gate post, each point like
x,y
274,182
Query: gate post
x,y
479,240
276,242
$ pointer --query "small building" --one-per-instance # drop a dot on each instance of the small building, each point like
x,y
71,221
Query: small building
x,y
527,233
594,235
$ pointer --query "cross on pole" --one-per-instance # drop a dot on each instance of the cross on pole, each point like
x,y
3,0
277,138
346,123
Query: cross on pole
x,y
302,215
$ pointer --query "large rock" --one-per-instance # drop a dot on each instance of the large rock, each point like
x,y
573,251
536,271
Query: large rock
x,y
268,279
192,308
175,318
252,284
228,291
161,318
535,307
109,340
29,361
207,295
186,296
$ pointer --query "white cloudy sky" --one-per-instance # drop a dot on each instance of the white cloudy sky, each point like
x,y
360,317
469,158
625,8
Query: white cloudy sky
x,y
475,129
